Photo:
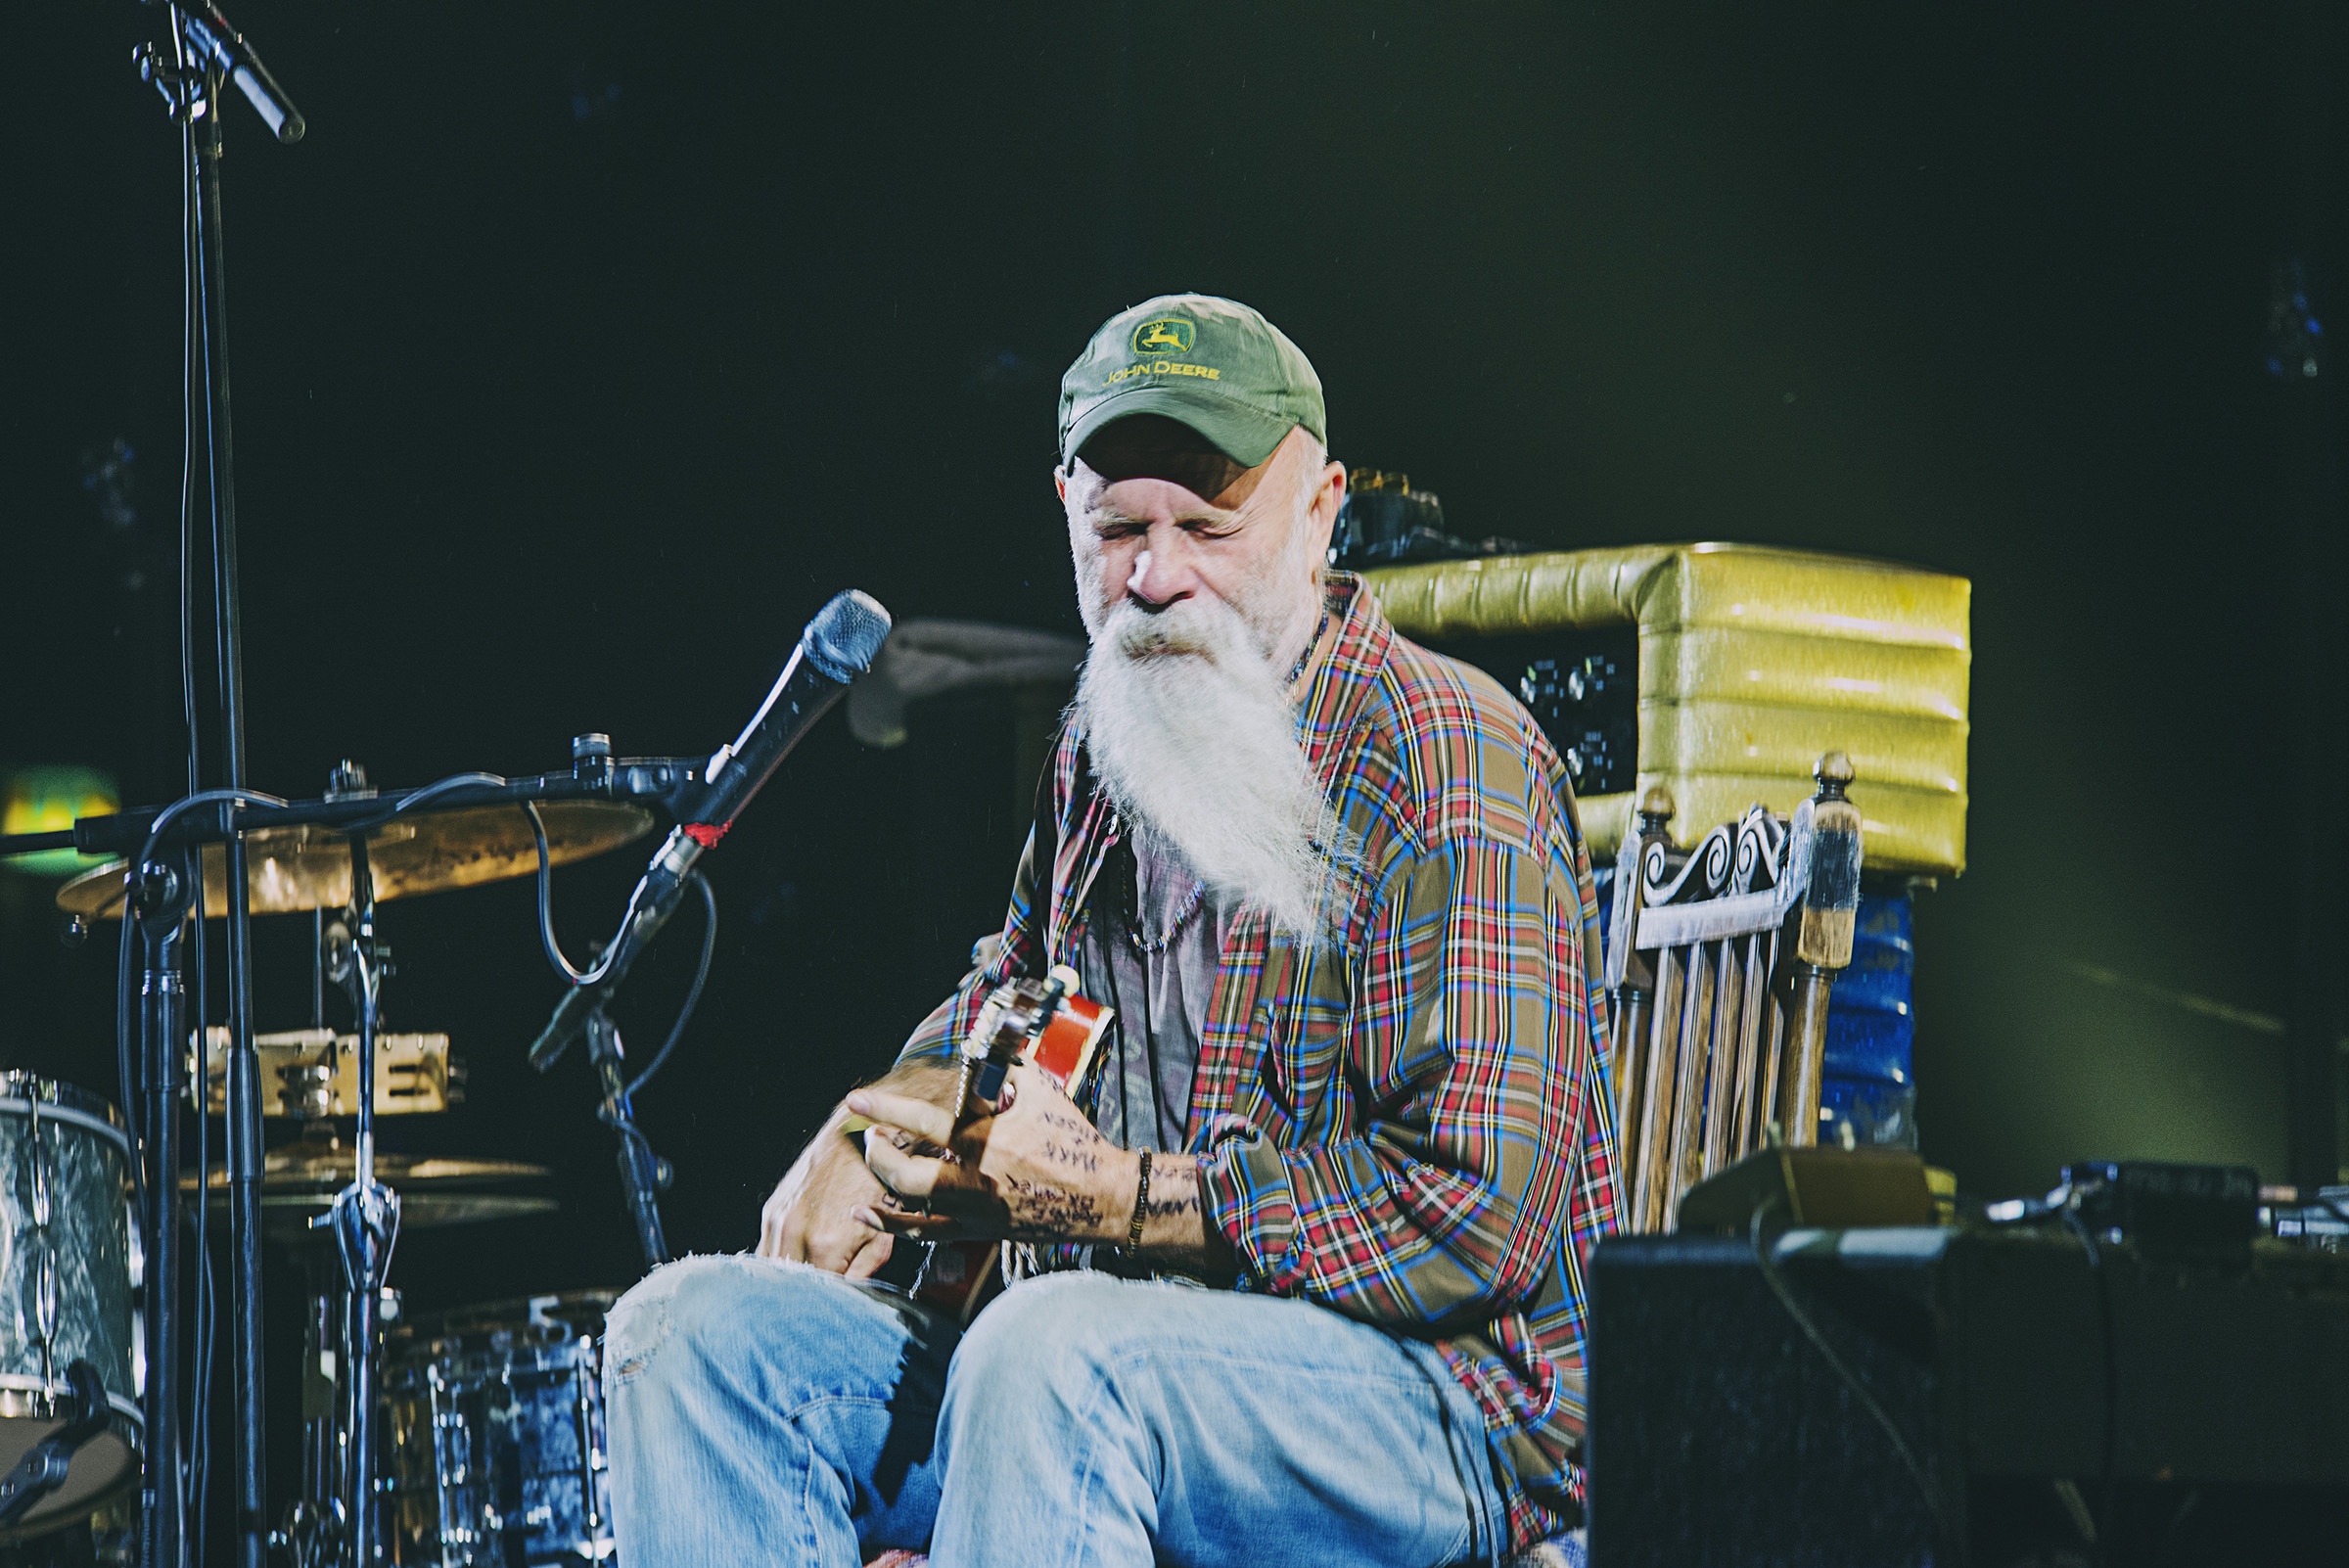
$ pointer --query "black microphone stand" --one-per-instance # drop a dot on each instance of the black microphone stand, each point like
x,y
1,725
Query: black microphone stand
x,y
643,1174
160,897
207,53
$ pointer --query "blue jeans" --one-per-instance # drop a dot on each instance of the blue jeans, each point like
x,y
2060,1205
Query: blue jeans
x,y
769,1413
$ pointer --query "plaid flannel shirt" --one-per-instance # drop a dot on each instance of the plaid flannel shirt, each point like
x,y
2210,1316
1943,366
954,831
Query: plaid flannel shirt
x,y
1418,1129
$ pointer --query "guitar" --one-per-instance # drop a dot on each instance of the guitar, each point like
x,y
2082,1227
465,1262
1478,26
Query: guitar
x,y
1045,1024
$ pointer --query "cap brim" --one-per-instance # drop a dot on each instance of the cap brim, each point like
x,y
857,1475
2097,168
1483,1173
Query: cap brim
x,y
1243,434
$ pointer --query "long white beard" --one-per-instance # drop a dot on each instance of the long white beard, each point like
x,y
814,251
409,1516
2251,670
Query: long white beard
x,y
1194,740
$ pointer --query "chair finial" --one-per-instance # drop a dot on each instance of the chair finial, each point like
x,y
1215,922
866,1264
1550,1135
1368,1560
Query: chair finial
x,y
1835,774
1656,808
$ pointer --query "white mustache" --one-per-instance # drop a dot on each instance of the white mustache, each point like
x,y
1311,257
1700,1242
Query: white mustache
x,y
1205,627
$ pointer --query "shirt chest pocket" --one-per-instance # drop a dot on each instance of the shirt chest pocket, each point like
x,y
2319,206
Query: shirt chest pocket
x,y
1300,1030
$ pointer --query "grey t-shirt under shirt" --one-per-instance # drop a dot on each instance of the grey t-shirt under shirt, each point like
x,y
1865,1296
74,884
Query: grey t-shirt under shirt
x,y
1160,987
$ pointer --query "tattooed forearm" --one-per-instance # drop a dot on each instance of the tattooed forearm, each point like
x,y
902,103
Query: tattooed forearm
x,y
1159,1208
1049,1212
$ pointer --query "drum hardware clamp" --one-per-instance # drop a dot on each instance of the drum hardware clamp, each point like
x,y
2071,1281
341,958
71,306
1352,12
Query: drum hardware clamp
x,y
44,1469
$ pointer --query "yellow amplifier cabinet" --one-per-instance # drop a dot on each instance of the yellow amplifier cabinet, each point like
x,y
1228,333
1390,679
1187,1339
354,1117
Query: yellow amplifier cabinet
x,y
1753,661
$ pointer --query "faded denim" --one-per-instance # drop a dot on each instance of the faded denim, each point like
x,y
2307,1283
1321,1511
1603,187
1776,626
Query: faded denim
x,y
769,1413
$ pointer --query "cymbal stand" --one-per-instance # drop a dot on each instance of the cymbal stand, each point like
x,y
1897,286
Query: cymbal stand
x,y
365,1222
161,895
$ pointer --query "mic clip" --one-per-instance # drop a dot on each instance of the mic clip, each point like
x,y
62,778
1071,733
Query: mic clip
x,y
665,781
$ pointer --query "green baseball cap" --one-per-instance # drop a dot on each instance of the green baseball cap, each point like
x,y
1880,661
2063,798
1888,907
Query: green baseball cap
x,y
1212,364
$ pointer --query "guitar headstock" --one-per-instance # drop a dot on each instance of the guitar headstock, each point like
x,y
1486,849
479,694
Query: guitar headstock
x,y
1045,1022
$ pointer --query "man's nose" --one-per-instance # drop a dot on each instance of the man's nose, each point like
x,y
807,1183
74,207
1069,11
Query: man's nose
x,y
1163,571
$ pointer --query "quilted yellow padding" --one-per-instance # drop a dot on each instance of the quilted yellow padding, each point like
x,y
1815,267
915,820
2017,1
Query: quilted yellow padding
x,y
1753,661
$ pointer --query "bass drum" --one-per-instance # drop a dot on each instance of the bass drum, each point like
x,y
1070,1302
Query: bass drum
x,y
68,1274
493,1436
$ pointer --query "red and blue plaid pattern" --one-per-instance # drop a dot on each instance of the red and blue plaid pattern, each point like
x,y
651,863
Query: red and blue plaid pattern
x,y
1414,1128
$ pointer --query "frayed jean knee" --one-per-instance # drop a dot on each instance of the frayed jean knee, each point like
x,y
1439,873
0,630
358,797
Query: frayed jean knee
x,y
766,1412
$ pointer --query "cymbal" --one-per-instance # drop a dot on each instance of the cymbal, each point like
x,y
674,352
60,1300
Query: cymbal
x,y
315,1163
307,867
300,1181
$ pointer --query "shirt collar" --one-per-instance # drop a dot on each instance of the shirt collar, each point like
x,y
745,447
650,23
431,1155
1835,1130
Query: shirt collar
x,y
1338,690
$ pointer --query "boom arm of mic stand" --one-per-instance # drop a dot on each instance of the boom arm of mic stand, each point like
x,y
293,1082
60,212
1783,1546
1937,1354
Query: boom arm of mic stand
x,y
663,781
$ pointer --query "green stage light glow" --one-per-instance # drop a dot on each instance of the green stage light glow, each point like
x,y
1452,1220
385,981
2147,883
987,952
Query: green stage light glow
x,y
47,800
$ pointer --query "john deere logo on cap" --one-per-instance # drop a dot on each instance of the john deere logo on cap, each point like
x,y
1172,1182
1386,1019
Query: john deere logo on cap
x,y
1169,335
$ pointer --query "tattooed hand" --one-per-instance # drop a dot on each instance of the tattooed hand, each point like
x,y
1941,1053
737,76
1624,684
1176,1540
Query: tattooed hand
x,y
1033,1170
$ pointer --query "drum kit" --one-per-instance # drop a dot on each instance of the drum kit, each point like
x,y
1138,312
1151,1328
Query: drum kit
x,y
473,1437
488,1442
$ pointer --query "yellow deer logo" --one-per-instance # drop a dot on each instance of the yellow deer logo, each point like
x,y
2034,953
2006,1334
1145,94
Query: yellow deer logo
x,y
1170,335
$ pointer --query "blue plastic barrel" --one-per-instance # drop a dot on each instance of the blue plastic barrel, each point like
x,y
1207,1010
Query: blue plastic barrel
x,y
1867,1086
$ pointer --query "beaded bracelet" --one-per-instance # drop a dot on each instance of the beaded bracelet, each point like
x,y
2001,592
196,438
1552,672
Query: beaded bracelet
x,y
1141,1205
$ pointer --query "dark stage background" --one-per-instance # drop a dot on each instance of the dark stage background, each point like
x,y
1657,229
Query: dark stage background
x,y
580,355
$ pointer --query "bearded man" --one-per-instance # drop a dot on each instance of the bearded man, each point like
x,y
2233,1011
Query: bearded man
x,y
1310,1239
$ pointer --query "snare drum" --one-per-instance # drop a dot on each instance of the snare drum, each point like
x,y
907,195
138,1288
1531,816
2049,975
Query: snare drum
x,y
494,1434
67,1275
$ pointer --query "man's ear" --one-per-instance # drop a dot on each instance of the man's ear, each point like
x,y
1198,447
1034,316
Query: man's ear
x,y
1326,501
1332,493
1060,485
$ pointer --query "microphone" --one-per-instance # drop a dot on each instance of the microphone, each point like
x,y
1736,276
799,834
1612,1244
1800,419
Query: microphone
x,y
218,44
839,645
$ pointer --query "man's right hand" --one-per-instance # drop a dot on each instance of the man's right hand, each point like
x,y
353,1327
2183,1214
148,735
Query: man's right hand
x,y
811,1215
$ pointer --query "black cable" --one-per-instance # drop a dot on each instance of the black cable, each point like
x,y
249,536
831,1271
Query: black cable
x,y
208,1316
125,1005
546,914
188,803
1844,1370
191,195
1142,957
197,1457
416,798
1114,928
1116,1008
200,1411
701,974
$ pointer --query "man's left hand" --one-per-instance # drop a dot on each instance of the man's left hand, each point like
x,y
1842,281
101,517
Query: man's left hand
x,y
1033,1170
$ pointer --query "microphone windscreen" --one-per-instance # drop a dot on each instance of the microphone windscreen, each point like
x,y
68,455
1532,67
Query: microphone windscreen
x,y
846,634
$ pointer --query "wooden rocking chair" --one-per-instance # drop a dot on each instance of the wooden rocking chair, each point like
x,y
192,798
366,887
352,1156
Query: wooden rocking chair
x,y
1718,964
